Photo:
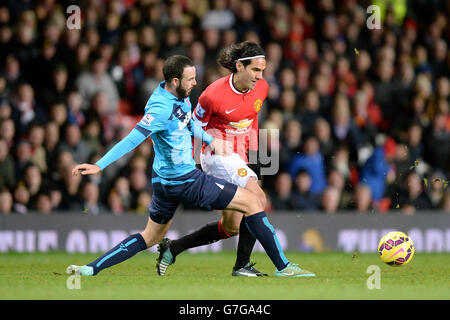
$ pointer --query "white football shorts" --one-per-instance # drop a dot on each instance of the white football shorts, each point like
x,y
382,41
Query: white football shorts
x,y
232,168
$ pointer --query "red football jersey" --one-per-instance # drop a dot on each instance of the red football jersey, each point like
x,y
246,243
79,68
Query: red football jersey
x,y
226,113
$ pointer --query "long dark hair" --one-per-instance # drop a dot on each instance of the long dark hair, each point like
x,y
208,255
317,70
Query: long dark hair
x,y
228,56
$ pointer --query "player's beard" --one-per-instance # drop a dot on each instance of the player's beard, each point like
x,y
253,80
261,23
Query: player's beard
x,y
182,92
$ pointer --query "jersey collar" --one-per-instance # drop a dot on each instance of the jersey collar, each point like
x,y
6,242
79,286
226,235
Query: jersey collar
x,y
230,81
167,94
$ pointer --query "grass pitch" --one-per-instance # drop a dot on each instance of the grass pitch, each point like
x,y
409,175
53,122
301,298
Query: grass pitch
x,y
207,276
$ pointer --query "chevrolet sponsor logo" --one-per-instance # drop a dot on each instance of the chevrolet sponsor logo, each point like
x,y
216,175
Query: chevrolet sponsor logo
x,y
241,124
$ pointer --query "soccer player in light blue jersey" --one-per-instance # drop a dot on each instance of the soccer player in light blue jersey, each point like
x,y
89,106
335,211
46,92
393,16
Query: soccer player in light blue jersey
x,y
175,179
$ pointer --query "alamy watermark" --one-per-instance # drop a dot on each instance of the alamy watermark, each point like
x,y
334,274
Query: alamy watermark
x,y
374,280
374,20
74,19
264,140
74,282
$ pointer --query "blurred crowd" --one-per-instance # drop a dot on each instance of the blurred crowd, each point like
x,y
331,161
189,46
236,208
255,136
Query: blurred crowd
x,y
362,112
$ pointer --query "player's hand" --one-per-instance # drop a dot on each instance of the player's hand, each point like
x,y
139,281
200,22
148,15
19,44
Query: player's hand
x,y
86,169
222,147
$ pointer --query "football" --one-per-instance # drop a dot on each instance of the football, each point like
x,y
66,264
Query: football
x,y
396,248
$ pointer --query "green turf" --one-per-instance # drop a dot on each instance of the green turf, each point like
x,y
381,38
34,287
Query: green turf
x,y
208,276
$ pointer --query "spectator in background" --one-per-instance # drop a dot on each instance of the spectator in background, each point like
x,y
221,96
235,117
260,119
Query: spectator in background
x,y
435,189
36,138
404,82
362,198
6,201
25,102
343,127
13,74
245,20
8,132
322,84
56,88
100,112
437,140
337,179
384,88
56,196
281,196
329,199
71,186
58,114
51,143
340,160
413,197
302,199
373,173
363,64
7,177
92,136
288,104
218,17
322,132
414,143
6,112
33,181
23,158
310,112
43,203
446,202
74,143
90,198
21,199
143,201
115,203
74,104
290,141
311,160
122,189
138,184
211,40
362,119
95,80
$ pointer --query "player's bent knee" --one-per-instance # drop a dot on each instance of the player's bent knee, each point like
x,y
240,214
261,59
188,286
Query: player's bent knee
x,y
246,202
231,230
263,199
255,204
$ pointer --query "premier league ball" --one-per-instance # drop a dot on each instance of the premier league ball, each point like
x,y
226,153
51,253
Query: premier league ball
x,y
396,249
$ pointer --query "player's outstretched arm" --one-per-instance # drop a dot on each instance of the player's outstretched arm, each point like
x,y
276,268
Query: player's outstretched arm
x,y
131,141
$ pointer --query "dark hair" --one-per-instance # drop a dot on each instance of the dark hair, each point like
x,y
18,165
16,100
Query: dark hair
x,y
174,67
228,56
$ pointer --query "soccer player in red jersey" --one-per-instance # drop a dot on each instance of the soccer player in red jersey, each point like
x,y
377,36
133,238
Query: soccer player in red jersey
x,y
228,109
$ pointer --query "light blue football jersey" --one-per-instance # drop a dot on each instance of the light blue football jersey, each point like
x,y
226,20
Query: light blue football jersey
x,y
167,120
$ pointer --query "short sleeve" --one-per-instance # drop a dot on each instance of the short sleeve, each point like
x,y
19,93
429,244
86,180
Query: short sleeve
x,y
203,110
155,119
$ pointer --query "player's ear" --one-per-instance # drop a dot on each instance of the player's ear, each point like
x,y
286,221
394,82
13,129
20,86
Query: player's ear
x,y
175,82
239,66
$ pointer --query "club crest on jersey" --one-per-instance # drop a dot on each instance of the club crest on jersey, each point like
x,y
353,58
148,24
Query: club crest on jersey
x,y
242,172
199,111
147,119
257,105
